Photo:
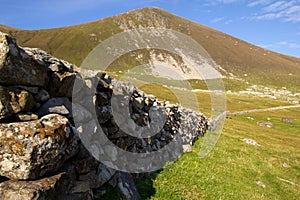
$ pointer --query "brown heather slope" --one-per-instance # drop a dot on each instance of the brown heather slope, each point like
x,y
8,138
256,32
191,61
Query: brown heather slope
x,y
73,43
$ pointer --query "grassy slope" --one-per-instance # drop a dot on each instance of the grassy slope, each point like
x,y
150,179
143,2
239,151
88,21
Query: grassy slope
x,y
233,168
73,43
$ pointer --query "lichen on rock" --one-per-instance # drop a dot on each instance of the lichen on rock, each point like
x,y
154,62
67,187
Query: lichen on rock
x,y
31,149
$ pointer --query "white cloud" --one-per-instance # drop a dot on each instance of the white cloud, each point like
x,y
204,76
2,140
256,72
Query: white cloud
x,y
228,1
279,5
292,45
228,21
259,2
216,2
269,16
219,19
286,44
288,11
223,20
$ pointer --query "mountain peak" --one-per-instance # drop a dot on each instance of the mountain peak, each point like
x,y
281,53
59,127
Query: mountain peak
x,y
234,56
145,9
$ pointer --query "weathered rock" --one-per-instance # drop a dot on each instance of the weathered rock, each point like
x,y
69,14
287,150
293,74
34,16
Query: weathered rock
x,y
91,179
32,90
61,85
250,141
54,64
61,105
42,96
81,113
17,67
81,187
187,148
13,101
286,120
51,188
104,173
31,149
86,165
80,196
104,114
265,124
192,125
127,186
26,117
99,193
81,190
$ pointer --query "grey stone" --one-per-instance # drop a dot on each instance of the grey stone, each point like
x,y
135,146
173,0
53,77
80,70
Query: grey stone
x,y
91,178
17,67
86,165
81,187
127,186
81,113
80,196
104,114
42,96
32,90
54,64
61,105
104,174
61,85
192,125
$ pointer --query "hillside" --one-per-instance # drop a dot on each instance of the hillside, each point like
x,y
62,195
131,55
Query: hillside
x,y
251,63
256,154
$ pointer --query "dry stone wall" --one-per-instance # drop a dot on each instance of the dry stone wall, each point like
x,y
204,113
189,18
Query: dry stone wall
x,y
41,154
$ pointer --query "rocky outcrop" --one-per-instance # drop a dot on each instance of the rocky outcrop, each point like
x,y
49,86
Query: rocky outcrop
x,y
42,152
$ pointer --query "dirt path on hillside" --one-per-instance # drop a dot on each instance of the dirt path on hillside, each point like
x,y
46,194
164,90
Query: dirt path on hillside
x,y
262,110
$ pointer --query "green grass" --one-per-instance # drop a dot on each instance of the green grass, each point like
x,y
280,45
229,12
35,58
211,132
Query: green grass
x,y
249,102
234,102
233,168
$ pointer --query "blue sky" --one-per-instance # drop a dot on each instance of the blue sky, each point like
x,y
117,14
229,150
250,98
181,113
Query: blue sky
x,y
270,24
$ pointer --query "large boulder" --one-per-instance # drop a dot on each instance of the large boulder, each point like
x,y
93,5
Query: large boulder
x,y
17,67
31,149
